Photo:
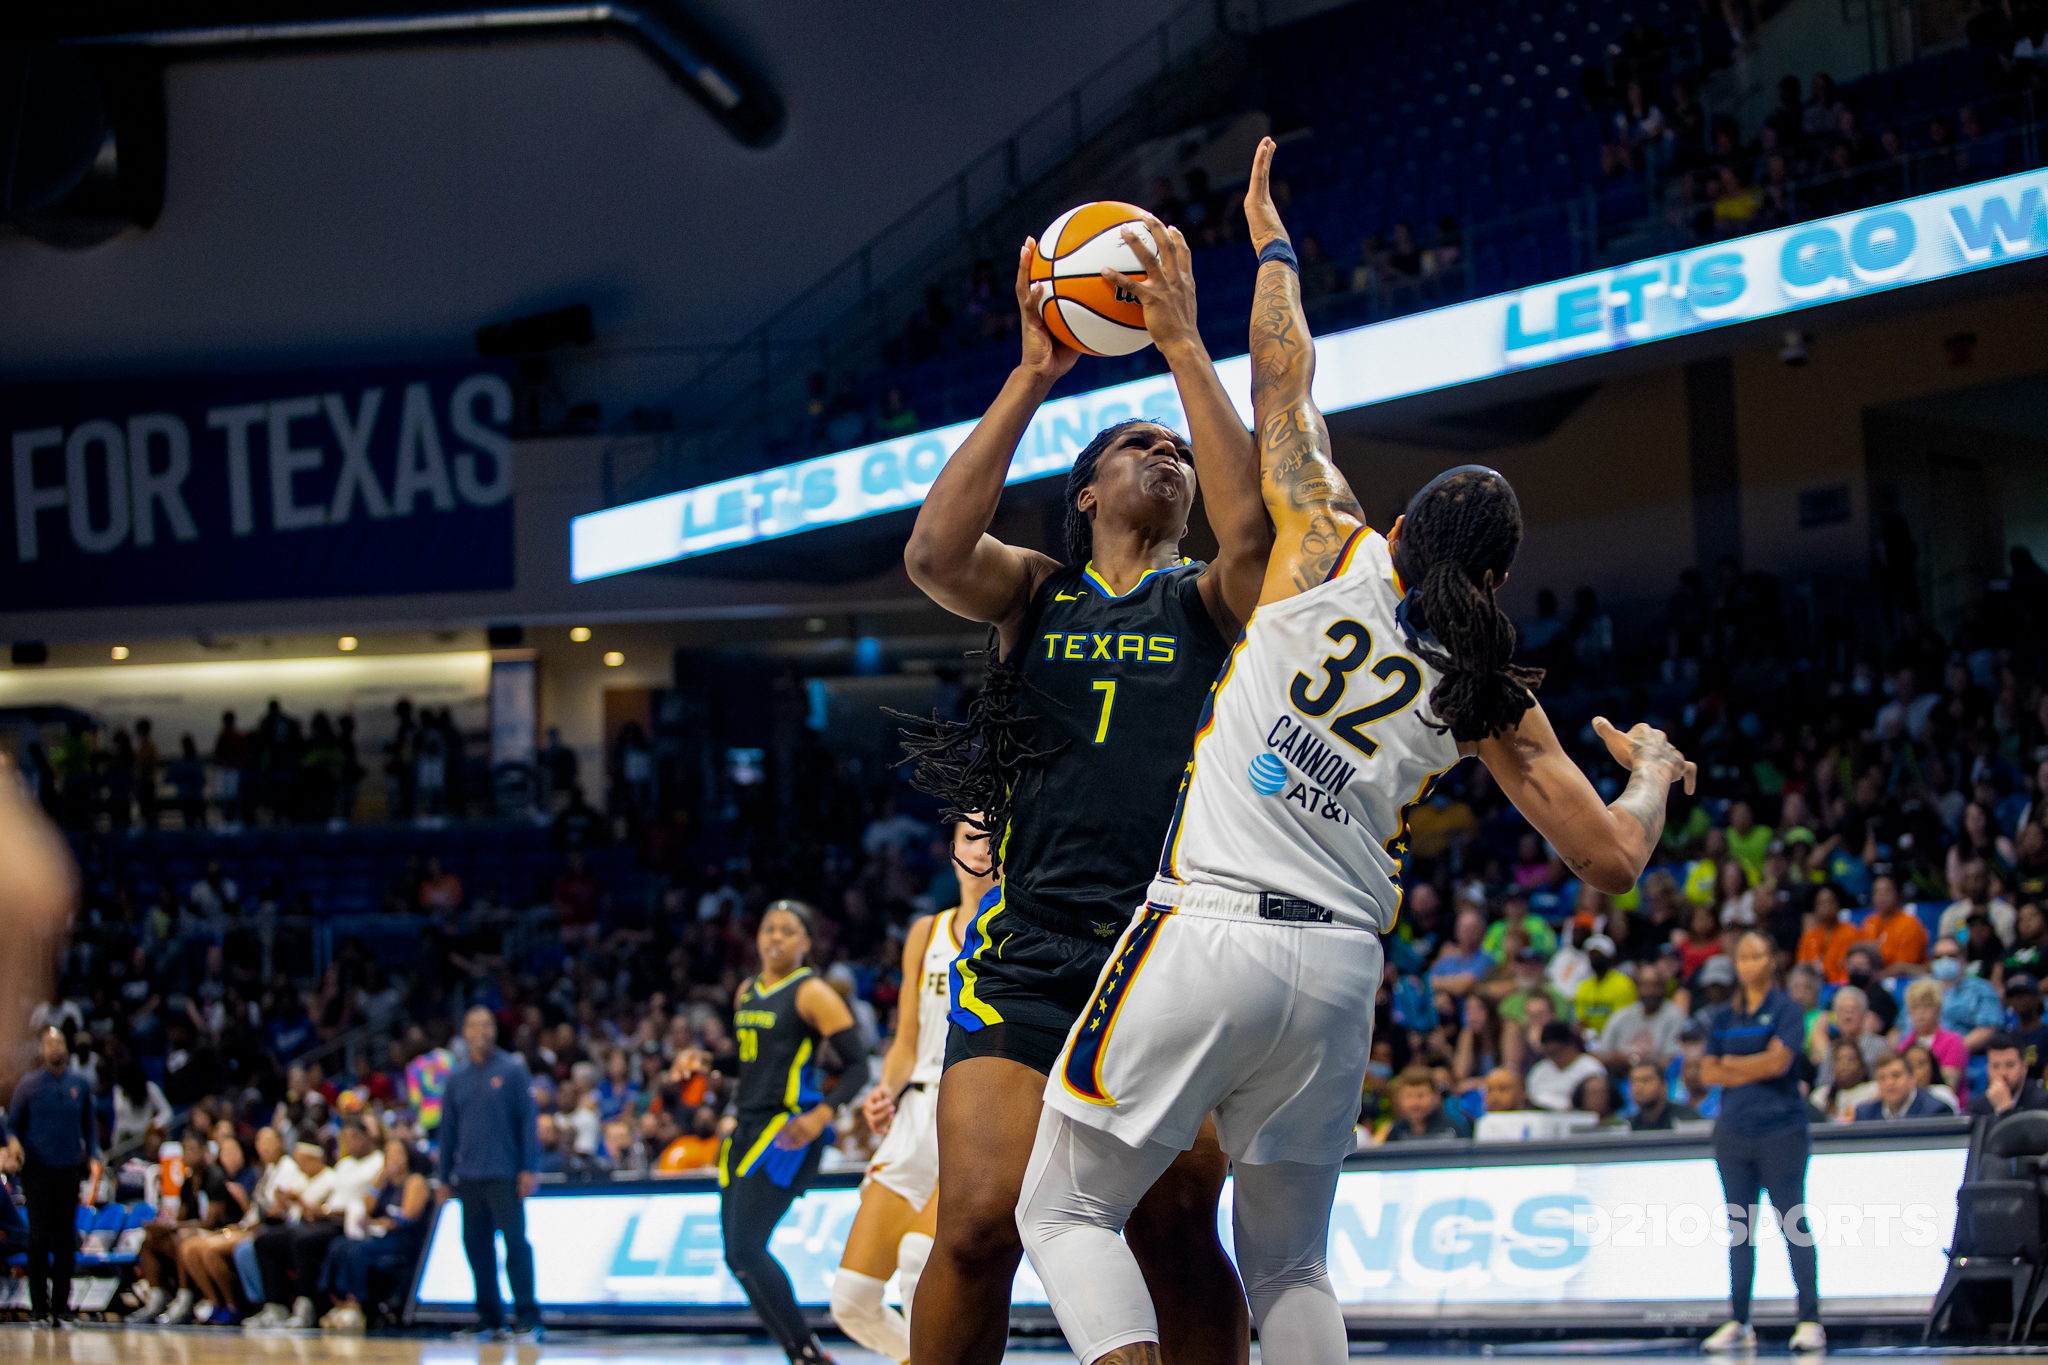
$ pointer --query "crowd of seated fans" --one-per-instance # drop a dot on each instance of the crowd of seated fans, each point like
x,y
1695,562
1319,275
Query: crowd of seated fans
x,y
281,770
182,1010
1873,806
1882,823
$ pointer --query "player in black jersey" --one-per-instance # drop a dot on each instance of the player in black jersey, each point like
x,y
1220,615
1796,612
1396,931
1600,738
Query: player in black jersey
x,y
1076,748
780,1018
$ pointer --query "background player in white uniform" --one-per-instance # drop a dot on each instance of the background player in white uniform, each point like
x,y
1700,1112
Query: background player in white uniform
x,y
892,1233
1246,985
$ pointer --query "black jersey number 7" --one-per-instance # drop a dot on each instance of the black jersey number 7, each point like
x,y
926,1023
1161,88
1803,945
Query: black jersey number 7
x,y
1337,669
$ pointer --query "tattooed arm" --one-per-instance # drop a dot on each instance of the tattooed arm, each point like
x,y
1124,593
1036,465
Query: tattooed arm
x,y
1607,846
1311,506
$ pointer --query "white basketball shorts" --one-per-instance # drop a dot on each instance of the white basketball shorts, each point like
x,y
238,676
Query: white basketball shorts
x,y
1207,1007
908,1159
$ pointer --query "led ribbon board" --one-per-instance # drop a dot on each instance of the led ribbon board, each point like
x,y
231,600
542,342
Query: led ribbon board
x,y
1550,1239
1932,237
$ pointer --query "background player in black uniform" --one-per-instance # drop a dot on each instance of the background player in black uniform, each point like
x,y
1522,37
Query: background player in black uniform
x,y
780,1017
1107,659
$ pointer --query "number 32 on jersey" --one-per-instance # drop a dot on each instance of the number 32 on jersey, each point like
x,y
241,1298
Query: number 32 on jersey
x,y
1318,697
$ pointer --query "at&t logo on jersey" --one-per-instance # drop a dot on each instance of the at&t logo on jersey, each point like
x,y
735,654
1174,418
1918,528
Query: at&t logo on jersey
x,y
1309,754
1290,742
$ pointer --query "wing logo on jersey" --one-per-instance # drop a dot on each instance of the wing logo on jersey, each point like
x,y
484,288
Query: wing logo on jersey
x,y
1268,775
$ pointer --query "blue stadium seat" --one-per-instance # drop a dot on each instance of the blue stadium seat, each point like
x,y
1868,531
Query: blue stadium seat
x,y
1930,915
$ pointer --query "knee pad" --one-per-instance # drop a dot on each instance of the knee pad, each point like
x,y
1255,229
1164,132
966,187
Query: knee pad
x,y
911,1254
858,1309
856,1298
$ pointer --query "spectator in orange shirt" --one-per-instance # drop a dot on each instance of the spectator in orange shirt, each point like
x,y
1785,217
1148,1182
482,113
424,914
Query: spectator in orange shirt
x,y
440,889
694,1150
1827,942
1896,930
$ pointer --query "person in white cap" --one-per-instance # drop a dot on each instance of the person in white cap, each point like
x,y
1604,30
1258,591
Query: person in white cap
x,y
1606,991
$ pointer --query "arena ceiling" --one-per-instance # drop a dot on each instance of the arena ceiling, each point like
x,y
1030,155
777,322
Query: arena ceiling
x,y
383,204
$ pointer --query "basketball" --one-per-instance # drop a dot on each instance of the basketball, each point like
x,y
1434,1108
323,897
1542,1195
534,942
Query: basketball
x,y
1083,310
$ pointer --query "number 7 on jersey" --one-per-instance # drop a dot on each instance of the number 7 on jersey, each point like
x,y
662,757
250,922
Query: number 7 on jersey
x,y
1107,687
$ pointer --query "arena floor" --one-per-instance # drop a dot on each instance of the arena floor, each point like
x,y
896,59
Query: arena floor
x,y
108,1345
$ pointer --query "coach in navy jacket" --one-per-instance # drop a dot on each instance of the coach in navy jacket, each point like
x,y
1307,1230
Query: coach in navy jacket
x,y
490,1156
1760,1137
1898,1097
60,1140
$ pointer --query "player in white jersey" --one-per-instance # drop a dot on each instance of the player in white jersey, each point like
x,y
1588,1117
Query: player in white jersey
x,y
892,1233
1246,985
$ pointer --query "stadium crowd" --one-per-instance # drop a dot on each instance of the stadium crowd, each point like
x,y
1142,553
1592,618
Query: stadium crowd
x,y
1879,822
1632,141
1876,814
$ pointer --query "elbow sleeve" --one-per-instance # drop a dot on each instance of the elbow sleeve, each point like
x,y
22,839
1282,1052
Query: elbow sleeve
x,y
847,1044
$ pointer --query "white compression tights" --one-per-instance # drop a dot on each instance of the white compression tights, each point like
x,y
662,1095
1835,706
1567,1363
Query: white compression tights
x,y
857,1301
1078,1193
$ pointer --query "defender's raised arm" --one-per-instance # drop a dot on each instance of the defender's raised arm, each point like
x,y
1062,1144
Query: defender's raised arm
x,y
1311,505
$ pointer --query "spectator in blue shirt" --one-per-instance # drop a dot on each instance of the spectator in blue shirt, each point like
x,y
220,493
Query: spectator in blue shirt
x,y
1969,1004
292,1032
53,1116
1760,1139
490,1154
1412,1003
1463,964
13,1227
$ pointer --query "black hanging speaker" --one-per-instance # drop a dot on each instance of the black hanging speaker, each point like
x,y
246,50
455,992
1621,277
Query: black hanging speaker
x,y
29,652
81,142
507,637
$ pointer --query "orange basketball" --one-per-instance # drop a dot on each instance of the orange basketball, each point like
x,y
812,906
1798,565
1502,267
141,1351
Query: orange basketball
x,y
1082,309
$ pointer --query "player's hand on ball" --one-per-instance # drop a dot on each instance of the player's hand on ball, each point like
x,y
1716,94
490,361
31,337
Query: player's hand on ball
x,y
1260,217
1168,289
1043,356
1643,745
879,1110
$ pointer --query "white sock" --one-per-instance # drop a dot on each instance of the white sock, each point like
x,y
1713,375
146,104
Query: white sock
x,y
858,1309
911,1254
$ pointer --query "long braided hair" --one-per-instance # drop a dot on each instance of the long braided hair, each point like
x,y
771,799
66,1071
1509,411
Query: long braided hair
x,y
1461,534
972,765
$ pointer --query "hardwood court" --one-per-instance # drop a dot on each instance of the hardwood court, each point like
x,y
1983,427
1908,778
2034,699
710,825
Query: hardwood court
x,y
96,1345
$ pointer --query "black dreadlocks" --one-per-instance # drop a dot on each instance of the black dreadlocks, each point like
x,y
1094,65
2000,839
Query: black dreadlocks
x,y
1460,536
972,765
